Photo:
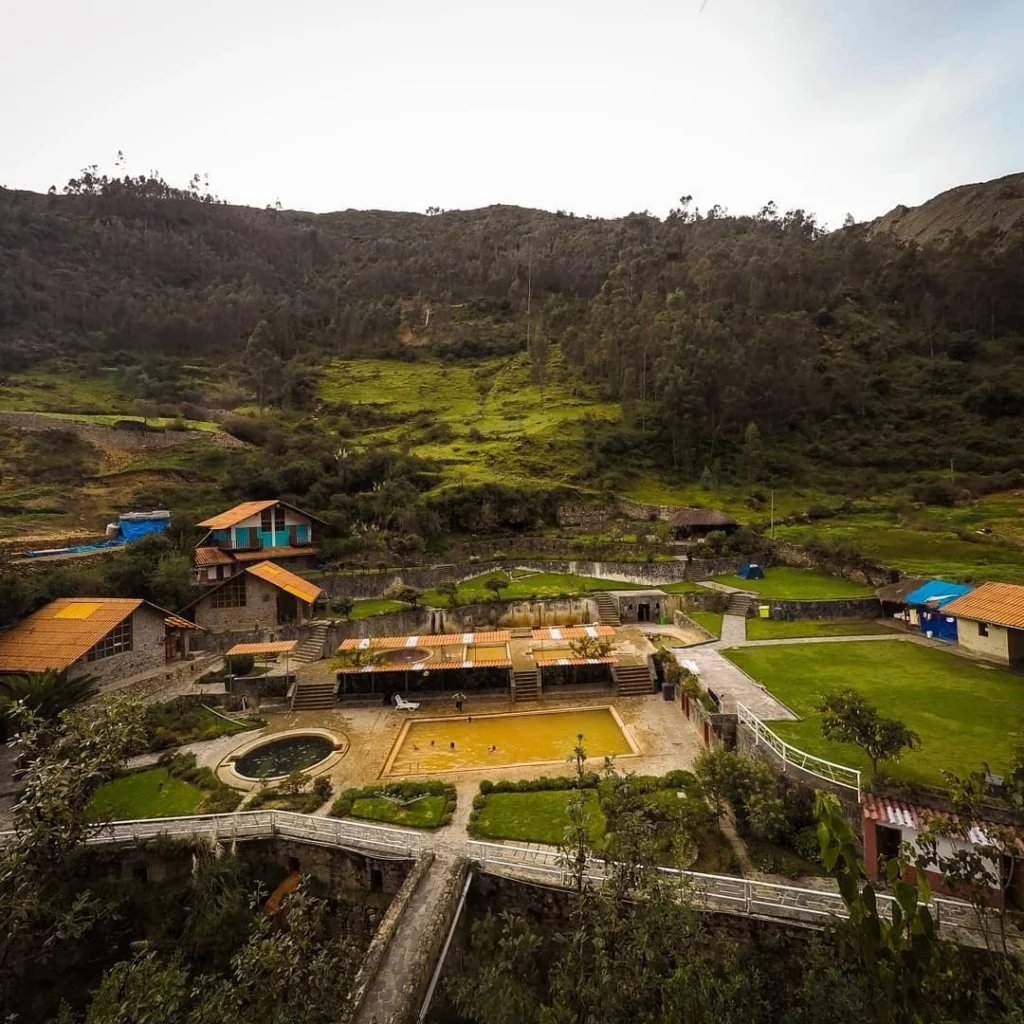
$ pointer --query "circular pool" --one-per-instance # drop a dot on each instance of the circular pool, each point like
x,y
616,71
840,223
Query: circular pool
x,y
404,656
292,753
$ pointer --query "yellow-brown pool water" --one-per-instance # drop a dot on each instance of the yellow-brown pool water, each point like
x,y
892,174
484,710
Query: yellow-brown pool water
x,y
547,736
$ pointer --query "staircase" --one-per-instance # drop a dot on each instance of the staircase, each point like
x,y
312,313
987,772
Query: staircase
x,y
633,680
313,696
526,684
739,604
312,648
698,569
607,609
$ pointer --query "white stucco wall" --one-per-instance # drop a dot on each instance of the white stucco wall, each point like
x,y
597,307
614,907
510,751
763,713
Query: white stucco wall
x,y
996,645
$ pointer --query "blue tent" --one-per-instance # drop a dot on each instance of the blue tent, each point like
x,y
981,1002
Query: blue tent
x,y
130,526
751,572
929,601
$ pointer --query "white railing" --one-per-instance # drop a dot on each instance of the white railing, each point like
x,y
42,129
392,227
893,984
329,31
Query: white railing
x,y
839,774
226,828
725,893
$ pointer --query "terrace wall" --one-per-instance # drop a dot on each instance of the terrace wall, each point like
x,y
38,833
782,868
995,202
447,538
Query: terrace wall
x,y
832,608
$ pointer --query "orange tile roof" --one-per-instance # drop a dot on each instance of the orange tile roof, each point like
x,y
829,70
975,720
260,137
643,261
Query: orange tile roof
x,y
572,632
286,581
574,661
998,603
428,640
236,514
59,634
271,647
427,666
177,622
280,552
211,556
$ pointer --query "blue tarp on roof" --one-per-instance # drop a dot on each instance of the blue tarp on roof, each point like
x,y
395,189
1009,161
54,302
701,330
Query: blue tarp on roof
x,y
937,593
130,527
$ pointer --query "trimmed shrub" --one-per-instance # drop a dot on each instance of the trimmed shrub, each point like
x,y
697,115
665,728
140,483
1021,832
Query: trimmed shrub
x,y
241,664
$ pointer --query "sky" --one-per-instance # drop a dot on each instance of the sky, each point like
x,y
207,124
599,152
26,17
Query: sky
x,y
601,108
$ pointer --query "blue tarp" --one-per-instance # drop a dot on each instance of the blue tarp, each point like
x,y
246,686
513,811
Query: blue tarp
x,y
751,572
937,593
929,600
128,529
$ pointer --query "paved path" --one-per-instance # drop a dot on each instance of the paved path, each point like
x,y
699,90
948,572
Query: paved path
x,y
734,631
393,994
732,685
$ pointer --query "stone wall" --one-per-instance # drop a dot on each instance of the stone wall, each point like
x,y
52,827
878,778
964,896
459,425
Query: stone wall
x,y
835,608
748,747
148,653
786,553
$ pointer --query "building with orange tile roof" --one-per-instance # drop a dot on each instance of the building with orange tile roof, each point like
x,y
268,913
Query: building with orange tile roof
x,y
270,530
260,597
106,637
990,622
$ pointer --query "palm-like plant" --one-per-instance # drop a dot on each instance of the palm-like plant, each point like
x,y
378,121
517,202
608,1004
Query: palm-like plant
x,y
47,693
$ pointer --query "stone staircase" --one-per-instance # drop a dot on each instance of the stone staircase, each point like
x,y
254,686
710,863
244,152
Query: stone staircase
x,y
739,604
312,648
698,569
633,680
607,609
526,684
313,696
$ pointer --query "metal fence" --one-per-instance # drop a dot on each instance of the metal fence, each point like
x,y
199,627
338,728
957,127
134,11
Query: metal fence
x,y
838,774
227,828
718,892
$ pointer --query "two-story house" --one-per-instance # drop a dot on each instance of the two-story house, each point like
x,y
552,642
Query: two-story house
x,y
256,531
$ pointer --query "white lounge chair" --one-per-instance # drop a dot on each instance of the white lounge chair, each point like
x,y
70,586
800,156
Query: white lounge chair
x,y
404,705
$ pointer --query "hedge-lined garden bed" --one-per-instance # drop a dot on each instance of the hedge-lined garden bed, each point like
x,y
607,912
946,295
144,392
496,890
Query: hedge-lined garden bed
x,y
429,804
185,720
294,794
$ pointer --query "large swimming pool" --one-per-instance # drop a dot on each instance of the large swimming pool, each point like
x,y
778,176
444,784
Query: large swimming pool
x,y
425,746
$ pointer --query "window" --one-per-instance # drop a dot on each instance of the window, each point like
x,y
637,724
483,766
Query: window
x,y
982,629
231,595
117,641
265,521
278,518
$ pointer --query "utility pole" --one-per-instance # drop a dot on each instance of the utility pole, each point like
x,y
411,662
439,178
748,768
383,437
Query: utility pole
x,y
773,515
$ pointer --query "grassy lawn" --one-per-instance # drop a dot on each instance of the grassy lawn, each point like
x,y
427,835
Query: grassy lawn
x,y
185,720
683,588
424,812
799,584
368,608
153,794
776,629
537,817
541,584
711,621
966,715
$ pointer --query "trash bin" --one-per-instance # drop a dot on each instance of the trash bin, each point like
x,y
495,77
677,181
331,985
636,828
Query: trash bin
x,y
668,691
764,610
661,620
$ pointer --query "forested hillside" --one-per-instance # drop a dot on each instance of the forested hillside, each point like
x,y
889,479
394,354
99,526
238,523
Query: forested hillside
x,y
751,348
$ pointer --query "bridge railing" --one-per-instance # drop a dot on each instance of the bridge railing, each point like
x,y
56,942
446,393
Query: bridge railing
x,y
726,893
838,774
242,825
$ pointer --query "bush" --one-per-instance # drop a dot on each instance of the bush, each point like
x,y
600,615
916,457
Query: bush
x,y
402,791
541,785
806,845
479,802
241,664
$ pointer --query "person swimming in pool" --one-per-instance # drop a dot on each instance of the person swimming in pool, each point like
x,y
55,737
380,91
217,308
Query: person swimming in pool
x,y
452,745
492,749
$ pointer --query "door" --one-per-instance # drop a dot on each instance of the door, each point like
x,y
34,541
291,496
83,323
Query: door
x,y
643,613
287,608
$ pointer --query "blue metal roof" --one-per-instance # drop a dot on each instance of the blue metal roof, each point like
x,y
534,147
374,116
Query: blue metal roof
x,y
937,592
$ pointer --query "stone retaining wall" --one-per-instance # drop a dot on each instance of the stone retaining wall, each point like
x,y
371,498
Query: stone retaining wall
x,y
834,608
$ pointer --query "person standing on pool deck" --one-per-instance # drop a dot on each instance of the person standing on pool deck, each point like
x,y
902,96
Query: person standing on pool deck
x,y
459,698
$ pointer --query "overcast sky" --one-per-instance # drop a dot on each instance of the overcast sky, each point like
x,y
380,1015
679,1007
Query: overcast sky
x,y
594,107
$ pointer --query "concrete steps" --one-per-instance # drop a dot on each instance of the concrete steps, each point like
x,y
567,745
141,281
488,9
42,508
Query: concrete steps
x,y
526,684
312,648
313,696
607,609
739,604
633,680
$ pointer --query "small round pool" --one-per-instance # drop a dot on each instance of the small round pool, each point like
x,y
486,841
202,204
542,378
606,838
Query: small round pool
x,y
404,656
283,756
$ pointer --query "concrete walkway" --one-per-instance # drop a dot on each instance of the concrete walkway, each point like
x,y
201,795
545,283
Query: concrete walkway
x,y
734,631
730,684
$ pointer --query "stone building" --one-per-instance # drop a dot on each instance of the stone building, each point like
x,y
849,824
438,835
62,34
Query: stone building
x,y
110,638
260,598
256,531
